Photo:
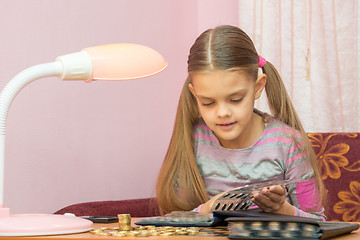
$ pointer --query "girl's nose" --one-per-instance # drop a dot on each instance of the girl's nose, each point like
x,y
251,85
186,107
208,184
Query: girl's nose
x,y
223,110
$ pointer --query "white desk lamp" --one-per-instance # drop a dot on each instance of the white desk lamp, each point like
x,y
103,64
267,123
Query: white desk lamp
x,y
107,62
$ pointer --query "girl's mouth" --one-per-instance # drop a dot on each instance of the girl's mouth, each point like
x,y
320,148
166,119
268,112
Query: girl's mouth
x,y
226,126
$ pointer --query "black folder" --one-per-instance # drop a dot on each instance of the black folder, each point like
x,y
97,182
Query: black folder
x,y
256,224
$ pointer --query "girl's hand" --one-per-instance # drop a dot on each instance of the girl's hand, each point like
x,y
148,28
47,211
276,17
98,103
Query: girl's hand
x,y
273,199
205,208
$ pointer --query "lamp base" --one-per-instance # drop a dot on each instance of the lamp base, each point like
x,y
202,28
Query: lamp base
x,y
4,212
42,224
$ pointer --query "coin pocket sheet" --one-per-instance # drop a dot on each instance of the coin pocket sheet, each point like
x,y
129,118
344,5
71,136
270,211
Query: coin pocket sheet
x,y
180,219
238,199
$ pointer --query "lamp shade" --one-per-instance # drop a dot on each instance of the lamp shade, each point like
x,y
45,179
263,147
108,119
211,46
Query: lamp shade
x,y
124,61
112,62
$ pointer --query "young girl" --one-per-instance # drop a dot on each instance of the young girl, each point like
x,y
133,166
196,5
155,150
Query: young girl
x,y
221,142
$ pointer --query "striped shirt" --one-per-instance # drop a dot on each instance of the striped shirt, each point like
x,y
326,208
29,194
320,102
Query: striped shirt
x,y
275,155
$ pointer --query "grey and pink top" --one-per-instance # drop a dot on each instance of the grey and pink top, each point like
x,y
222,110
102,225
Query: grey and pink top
x,y
275,155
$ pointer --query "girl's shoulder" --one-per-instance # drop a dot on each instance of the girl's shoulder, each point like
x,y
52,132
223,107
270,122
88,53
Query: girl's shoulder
x,y
202,133
277,128
201,127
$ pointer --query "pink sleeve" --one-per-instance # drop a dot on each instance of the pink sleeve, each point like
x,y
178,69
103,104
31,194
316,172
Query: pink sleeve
x,y
307,196
197,209
308,199
317,215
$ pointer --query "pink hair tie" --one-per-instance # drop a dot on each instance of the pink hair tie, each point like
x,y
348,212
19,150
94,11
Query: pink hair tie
x,y
262,61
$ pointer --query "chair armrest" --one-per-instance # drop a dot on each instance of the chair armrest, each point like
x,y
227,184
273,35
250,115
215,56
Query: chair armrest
x,y
142,207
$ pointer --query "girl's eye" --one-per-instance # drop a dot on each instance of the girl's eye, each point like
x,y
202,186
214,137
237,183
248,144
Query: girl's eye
x,y
236,100
207,104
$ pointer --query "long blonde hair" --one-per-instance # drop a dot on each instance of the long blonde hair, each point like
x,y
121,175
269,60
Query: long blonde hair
x,y
179,185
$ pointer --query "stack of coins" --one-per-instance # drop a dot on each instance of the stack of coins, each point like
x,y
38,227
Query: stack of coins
x,y
125,222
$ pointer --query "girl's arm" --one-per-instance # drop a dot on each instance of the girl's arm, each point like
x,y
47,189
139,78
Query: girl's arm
x,y
273,199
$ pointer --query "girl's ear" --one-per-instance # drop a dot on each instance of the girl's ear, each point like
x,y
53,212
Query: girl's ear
x,y
191,88
260,85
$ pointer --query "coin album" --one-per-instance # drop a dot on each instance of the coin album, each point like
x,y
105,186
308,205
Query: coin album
x,y
180,218
255,224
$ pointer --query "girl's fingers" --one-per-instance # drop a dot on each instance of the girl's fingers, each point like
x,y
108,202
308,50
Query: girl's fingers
x,y
262,201
270,199
274,194
278,189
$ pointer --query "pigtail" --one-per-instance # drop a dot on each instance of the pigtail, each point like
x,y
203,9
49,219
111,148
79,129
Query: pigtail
x,y
179,185
282,108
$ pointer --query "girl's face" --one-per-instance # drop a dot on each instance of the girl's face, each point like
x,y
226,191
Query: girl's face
x,y
226,103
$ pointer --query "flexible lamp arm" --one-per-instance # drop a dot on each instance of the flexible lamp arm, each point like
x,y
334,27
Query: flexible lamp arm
x,y
75,66
7,96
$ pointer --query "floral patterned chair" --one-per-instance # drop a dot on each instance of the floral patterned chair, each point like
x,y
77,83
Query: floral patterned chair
x,y
339,160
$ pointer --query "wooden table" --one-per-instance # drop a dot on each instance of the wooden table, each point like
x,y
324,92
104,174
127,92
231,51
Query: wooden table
x,y
208,233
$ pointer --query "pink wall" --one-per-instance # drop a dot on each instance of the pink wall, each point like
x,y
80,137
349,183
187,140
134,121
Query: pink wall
x,y
70,142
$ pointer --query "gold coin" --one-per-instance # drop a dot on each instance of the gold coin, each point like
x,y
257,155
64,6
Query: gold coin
x,y
124,218
144,234
181,232
133,233
120,234
125,227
